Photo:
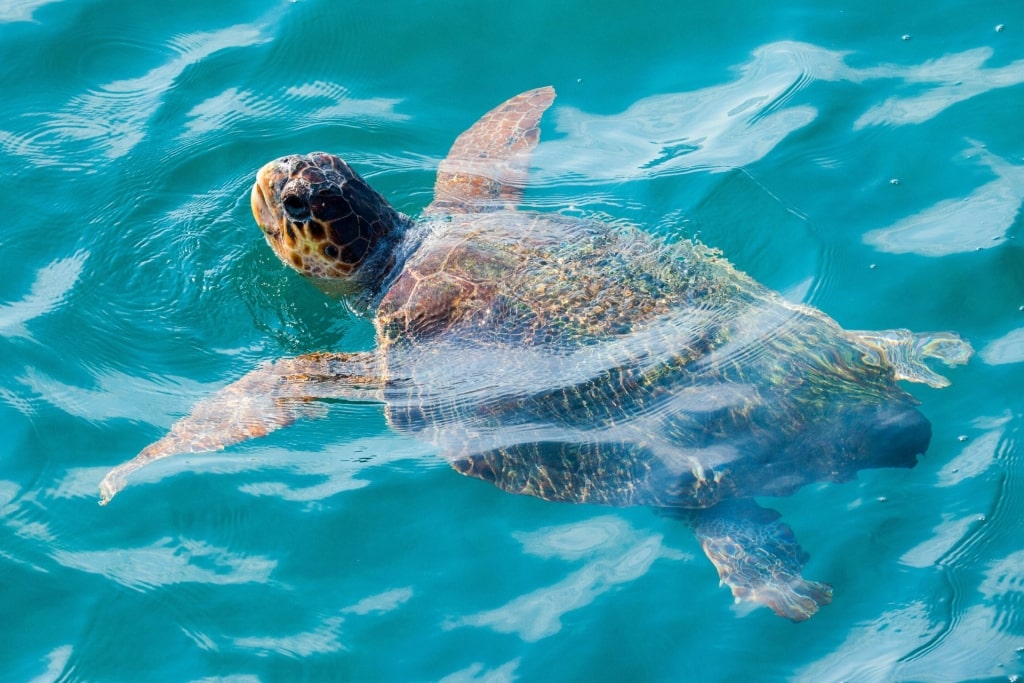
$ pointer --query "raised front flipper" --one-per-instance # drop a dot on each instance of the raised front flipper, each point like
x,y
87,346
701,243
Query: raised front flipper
x,y
758,558
486,168
905,351
272,396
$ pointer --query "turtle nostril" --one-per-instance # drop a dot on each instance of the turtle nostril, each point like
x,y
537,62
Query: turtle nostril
x,y
295,207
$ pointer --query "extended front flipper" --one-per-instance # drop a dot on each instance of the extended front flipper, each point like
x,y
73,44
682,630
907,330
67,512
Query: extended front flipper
x,y
272,396
758,558
905,351
486,168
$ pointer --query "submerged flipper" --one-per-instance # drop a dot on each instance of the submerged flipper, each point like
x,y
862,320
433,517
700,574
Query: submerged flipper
x,y
272,396
486,168
758,558
905,351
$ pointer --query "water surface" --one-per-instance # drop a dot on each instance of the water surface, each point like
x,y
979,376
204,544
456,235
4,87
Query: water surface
x,y
865,159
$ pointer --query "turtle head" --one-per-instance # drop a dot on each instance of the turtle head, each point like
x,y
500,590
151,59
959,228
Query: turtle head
x,y
322,219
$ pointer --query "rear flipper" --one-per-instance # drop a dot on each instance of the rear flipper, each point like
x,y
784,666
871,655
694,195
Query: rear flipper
x,y
758,558
905,351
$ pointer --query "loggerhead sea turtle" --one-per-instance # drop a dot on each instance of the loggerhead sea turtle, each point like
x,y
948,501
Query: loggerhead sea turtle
x,y
574,360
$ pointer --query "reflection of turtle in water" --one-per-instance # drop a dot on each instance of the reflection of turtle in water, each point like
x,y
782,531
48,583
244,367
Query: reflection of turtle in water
x,y
573,360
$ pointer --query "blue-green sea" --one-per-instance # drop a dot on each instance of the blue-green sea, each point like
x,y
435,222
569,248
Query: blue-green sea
x,y
864,158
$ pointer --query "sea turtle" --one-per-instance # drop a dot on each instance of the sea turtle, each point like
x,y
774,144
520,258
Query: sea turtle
x,y
576,360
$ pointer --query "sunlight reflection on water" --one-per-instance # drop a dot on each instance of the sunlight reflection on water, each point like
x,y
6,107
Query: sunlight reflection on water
x,y
725,126
972,223
141,289
614,553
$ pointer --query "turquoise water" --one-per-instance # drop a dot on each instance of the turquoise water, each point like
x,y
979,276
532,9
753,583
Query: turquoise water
x,y
878,178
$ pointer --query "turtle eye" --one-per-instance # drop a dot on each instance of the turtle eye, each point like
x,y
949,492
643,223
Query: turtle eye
x,y
295,207
331,251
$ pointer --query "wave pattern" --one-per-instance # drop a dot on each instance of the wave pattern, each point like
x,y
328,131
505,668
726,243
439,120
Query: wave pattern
x,y
135,283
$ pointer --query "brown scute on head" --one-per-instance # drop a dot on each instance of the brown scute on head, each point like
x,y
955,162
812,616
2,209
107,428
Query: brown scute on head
x,y
323,219
316,231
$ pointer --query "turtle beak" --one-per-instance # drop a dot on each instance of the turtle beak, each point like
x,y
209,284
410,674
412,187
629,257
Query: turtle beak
x,y
261,210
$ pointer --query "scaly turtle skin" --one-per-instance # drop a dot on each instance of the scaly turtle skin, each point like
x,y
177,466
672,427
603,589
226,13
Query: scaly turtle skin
x,y
577,361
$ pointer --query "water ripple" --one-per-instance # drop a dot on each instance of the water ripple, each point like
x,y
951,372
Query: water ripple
x,y
338,473
381,603
21,10
324,639
169,561
147,138
713,129
52,284
990,211
291,109
977,457
118,395
737,124
57,665
957,77
479,673
108,121
615,554
1006,349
